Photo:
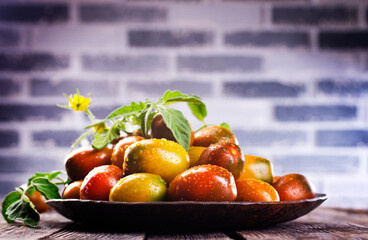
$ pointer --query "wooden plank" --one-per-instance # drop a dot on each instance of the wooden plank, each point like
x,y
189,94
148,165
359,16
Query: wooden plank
x,y
50,222
80,232
182,236
323,223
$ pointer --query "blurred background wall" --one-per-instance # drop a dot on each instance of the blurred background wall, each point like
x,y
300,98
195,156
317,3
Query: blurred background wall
x,y
290,77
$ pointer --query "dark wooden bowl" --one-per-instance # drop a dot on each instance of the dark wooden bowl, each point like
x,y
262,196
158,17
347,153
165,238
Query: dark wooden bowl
x,y
185,215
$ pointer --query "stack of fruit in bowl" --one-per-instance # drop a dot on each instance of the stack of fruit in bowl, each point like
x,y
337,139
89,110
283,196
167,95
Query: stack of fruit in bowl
x,y
147,151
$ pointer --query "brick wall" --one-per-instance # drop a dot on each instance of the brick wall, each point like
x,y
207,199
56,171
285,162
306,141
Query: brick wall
x,y
291,77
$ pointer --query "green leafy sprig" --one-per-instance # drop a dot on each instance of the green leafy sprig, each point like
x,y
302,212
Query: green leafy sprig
x,y
141,115
18,206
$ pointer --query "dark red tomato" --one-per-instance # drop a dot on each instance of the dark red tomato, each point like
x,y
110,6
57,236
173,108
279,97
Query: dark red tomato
x,y
80,162
98,183
212,135
226,156
203,183
293,186
117,158
72,190
160,130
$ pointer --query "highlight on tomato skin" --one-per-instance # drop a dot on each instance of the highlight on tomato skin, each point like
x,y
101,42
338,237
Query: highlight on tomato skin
x,y
81,161
203,183
212,135
72,190
293,187
98,183
253,190
117,157
228,156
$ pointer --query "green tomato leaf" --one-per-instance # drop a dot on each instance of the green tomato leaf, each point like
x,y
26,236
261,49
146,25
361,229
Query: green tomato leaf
x,y
11,198
131,109
146,117
105,137
49,176
225,125
171,97
198,110
24,210
48,189
178,125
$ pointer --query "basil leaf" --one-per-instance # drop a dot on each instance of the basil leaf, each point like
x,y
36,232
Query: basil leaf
x,y
133,108
103,138
9,200
176,96
24,210
225,125
48,189
199,110
178,125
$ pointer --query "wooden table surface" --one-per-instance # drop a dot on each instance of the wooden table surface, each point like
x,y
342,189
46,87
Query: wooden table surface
x,y
322,223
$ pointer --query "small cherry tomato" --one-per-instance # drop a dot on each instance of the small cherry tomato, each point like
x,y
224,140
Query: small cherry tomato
x,y
117,158
229,157
253,190
98,183
72,191
203,183
80,162
139,187
212,135
39,201
294,186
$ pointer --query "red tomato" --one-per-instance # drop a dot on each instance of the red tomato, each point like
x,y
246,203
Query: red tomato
x,y
292,187
226,156
98,183
203,183
80,162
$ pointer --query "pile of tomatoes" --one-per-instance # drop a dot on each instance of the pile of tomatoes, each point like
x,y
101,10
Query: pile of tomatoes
x,y
135,169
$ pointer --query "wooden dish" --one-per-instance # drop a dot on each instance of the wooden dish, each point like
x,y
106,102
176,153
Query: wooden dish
x,y
184,214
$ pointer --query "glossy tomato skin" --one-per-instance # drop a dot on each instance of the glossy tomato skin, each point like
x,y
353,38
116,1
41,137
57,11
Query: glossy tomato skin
x,y
72,191
139,187
117,157
158,156
203,183
292,187
160,130
228,156
98,183
253,190
80,162
194,153
257,168
39,201
212,135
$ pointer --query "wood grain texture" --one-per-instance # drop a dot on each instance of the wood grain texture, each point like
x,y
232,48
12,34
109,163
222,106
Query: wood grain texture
x,y
323,223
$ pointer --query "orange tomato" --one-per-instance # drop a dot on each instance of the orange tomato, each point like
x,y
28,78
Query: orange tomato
x,y
203,183
257,168
72,191
294,186
253,190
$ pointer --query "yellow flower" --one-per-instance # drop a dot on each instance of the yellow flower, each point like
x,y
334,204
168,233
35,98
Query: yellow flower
x,y
79,103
